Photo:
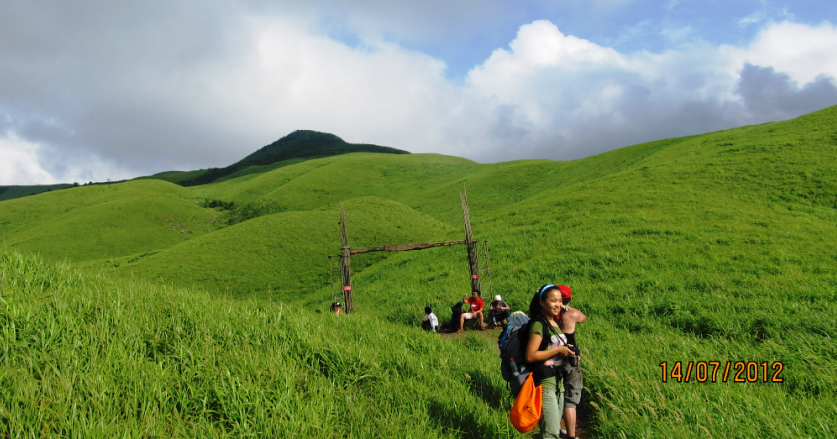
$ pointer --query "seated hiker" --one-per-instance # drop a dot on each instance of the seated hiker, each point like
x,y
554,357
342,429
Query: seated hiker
x,y
429,322
456,318
477,306
336,308
499,310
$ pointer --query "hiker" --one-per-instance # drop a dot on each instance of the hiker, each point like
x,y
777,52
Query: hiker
x,y
336,308
477,306
545,308
456,318
571,369
429,322
499,310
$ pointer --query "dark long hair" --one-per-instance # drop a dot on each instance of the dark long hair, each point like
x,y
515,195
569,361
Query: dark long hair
x,y
535,307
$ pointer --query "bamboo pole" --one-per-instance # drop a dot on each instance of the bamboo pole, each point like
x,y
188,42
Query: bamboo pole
x,y
346,262
473,256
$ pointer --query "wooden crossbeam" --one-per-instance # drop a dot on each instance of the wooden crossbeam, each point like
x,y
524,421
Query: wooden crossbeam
x,y
405,247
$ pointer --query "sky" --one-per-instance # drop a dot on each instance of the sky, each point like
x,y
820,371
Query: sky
x,y
92,90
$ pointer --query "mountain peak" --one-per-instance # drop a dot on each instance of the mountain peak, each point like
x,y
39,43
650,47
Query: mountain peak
x,y
306,144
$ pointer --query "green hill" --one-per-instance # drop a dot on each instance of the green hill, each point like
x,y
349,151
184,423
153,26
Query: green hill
x,y
294,148
103,221
11,192
717,247
282,256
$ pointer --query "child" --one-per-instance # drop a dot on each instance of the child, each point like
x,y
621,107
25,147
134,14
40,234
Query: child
x,y
429,322
546,360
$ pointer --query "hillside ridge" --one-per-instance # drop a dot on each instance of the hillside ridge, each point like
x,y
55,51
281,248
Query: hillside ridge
x,y
300,144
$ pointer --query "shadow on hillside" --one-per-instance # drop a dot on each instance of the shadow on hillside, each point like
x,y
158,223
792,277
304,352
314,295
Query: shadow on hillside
x,y
496,397
457,420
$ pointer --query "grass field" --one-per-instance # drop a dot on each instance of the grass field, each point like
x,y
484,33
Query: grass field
x,y
718,247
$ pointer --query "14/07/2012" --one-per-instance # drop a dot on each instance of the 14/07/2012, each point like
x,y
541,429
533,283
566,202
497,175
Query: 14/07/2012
x,y
707,371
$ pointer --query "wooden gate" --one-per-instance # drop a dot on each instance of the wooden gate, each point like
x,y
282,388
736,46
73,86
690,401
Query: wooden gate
x,y
478,266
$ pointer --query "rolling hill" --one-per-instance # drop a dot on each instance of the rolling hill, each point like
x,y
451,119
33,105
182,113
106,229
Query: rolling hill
x,y
718,247
296,147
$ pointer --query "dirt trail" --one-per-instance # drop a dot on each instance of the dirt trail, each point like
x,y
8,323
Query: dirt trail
x,y
492,335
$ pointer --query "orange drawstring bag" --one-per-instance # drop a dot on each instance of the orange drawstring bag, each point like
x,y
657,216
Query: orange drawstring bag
x,y
527,408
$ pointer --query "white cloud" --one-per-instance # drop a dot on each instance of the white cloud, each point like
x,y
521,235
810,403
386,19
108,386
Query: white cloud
x,y
211,94
28,163
294,79
803,52
20,164
754,18
573,98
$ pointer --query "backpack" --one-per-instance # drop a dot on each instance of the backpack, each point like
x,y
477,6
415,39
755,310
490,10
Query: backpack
x,y
512,343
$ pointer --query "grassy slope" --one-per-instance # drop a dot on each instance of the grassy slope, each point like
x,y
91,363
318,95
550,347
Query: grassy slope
x,y
721,247
315,183
281,256
95,222
707,248
11,192
83,356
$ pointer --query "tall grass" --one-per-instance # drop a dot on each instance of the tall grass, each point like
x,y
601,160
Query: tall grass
x,y
87,357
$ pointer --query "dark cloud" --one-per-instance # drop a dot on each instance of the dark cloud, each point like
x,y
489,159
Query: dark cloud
x,y
769,95
113,80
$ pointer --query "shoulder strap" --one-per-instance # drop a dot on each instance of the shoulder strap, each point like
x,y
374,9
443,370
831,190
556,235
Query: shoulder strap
x,y
545,336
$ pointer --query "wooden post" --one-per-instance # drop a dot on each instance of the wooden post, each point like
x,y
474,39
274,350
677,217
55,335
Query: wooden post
x,y
473,261
346,262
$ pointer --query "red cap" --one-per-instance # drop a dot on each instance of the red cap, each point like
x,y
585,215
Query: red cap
x,y
566,293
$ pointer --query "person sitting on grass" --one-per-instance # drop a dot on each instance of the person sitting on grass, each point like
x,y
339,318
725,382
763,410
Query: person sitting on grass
x,y
499,310
477,306
336,308
429,322
456,318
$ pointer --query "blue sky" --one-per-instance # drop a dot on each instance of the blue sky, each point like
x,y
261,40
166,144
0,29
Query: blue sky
x,y
626,26
98,89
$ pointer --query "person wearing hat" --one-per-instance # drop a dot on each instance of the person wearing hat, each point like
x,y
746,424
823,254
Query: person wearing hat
x,y
336,308
571,370
499,310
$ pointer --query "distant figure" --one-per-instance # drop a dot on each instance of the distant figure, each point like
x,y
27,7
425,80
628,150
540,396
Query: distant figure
x,y
572,370
455,319
477,306
499,310
336,308
429,322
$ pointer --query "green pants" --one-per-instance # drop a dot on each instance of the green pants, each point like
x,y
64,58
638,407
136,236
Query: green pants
x,y
553,410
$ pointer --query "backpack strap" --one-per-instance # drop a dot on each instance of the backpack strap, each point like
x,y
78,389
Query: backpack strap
x,y
540,370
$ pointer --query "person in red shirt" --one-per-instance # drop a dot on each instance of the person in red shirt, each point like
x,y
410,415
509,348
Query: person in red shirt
x,y
477,306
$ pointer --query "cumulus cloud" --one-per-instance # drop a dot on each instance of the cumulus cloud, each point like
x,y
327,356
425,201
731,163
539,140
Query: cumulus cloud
x,y
573,98
20,163
101,90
